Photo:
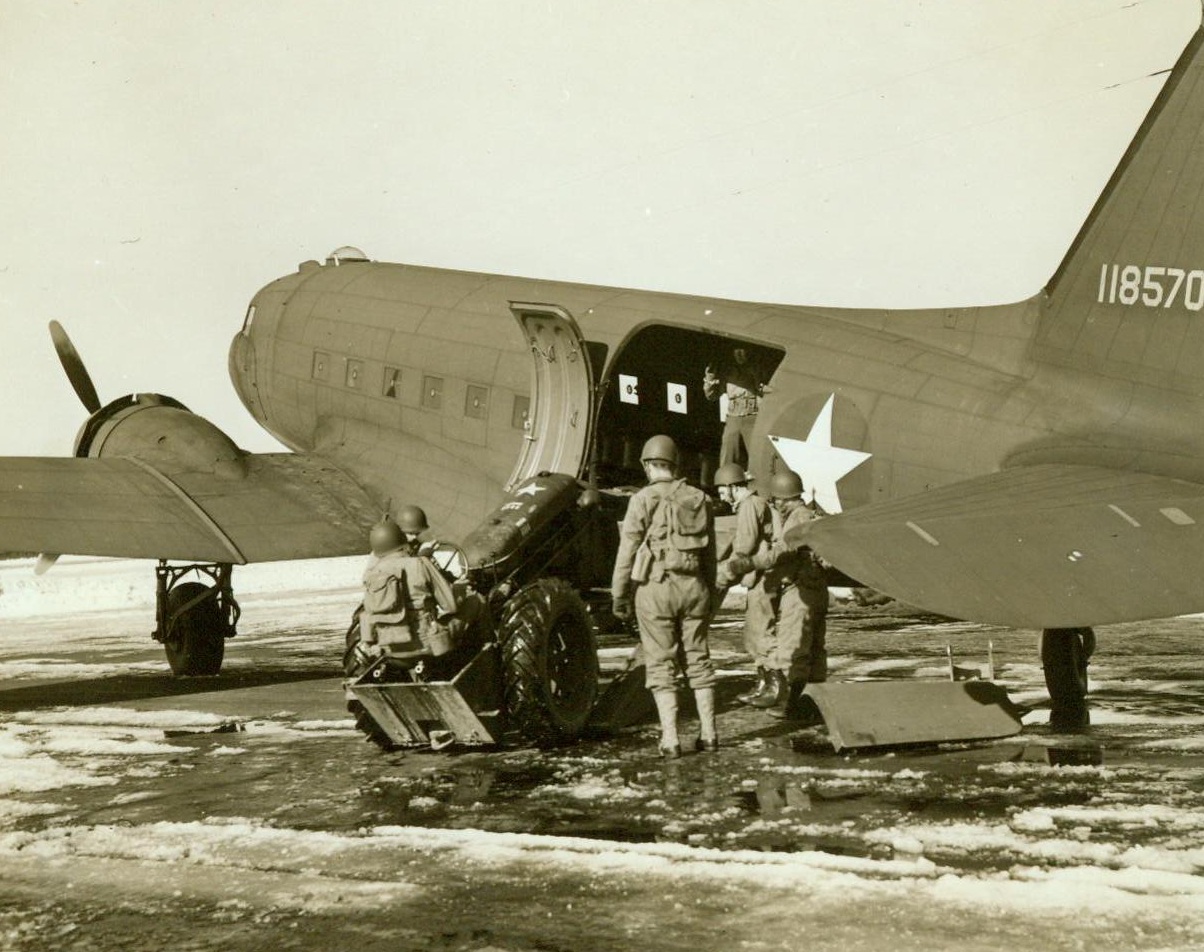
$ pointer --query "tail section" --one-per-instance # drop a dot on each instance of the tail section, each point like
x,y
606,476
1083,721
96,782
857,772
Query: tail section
x,y
1128,299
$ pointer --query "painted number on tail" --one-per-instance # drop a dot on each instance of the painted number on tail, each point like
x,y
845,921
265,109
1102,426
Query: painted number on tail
x,y
1151,286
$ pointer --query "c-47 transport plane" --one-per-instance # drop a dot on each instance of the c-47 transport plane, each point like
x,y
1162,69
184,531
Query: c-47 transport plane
x,y
1037,464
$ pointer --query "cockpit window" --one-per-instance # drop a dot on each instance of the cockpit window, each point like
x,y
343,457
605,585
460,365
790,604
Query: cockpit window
x,y
246,323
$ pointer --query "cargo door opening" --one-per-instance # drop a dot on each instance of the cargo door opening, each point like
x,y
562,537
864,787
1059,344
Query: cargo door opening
x,y
654,385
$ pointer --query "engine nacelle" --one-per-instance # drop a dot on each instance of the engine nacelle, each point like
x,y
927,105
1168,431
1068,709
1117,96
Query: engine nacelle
x,y
162,432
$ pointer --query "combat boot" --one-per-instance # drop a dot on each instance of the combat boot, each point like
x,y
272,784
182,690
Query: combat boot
x,y
704,700
775,691
758,689
796,706
666,710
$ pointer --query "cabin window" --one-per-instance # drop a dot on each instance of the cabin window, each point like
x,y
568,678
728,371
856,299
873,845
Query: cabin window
x,y
432,392
520,416
321,366
476,402
392,384
355,370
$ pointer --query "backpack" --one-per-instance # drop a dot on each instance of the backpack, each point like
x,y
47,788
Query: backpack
x,y
679,530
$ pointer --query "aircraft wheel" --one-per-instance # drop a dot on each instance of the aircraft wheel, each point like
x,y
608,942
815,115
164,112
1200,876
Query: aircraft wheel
x,y
1064,655
549,662
196,644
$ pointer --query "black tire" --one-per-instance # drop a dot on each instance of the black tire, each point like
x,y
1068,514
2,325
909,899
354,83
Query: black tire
x,y
549,662
1064,654
196,640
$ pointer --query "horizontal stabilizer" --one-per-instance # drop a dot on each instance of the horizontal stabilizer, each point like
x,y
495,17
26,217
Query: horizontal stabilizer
x,y
1048,546
284,506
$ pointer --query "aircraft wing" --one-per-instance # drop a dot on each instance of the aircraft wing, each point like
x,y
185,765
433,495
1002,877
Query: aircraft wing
x,y
1048,546
279,506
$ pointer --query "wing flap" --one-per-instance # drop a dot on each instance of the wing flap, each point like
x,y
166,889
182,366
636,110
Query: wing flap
x,y
284,506
1046,546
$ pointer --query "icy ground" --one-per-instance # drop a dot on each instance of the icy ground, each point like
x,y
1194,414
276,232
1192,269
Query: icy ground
x,y
244,812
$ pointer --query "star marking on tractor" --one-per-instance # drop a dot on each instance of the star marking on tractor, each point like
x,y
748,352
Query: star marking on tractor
x,y
819,464
530,490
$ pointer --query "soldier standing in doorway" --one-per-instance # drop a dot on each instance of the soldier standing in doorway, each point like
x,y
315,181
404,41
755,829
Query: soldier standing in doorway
x,y
802,655
667,556
755,521
744,384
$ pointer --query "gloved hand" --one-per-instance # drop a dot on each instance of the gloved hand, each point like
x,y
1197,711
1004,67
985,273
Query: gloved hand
x,y
621,608
739,565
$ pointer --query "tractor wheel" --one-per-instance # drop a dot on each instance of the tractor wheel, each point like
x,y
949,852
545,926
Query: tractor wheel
x,y
354,665
549,662
1064,655
196,643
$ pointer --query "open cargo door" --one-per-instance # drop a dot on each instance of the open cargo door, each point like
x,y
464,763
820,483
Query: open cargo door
x,y
562,387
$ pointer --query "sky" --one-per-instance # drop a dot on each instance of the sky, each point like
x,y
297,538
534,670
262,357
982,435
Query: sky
x,y
159,163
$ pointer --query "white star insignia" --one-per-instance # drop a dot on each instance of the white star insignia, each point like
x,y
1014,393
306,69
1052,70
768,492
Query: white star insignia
x,y
819,464
530,490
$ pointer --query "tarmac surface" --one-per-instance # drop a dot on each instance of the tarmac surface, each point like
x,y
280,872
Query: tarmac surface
x,y
244,812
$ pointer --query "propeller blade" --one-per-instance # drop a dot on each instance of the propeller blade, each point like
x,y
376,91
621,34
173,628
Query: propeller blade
x,y
44,563
76,372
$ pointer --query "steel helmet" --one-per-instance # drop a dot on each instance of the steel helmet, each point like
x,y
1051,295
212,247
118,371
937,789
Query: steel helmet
x,y
786,485
660,447
412,519
385,536
730,474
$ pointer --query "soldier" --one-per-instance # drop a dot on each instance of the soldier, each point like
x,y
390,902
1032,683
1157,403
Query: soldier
x,y
412,521
408,604
754,535
667,555
744,384
802,606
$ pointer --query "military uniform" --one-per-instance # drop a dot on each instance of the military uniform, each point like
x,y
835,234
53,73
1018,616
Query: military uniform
x,y
406,600
754,536
801,651
672,606
743,385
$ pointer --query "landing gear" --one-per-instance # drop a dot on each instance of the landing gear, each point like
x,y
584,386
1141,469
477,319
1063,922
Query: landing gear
x,y
192,619
1064,656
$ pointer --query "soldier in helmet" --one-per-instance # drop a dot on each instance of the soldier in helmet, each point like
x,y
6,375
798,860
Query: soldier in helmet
x,y
665,575
408,604
412,521
754,535
802,605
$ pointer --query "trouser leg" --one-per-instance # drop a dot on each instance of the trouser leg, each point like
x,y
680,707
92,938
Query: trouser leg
x,y
793,652
729,447
692,594
658,635
760,623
